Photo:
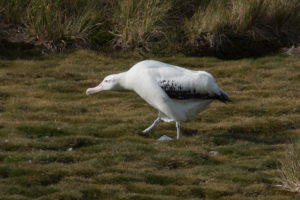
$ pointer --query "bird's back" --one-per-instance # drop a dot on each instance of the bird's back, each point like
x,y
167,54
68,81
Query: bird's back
x,y
180,83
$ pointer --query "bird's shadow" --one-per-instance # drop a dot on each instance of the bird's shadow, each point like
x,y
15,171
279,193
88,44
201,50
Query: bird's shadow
x,y
189,131
145,135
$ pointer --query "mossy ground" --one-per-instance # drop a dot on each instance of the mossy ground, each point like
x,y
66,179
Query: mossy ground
x,y
58,143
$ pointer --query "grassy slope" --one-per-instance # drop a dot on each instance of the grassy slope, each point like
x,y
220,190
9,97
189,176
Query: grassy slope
x,y
44,112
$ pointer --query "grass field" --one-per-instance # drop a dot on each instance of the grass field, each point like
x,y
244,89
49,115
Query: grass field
x,y
58,143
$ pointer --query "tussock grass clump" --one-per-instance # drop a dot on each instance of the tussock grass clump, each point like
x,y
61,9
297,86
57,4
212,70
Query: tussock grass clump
x,y
289,170
218,24
199,24
137,22
283,15
158,26
13,10
55,23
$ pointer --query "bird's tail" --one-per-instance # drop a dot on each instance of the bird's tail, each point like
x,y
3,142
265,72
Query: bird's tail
x,y
223,96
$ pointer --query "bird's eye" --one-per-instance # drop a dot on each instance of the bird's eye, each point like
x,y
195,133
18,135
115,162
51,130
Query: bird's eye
x,y
106,81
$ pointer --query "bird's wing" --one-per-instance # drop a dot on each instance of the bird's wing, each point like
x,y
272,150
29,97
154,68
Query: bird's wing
x,y
180,83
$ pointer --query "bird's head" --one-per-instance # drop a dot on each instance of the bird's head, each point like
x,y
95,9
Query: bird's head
x,y
110,82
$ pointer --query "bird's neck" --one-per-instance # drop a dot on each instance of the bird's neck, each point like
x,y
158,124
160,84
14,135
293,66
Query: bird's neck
x,y
123,81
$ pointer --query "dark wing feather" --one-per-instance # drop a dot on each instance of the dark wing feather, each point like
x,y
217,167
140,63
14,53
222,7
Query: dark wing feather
x,y
176,91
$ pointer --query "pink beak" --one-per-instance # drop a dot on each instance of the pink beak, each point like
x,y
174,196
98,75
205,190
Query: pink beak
x,y
94,90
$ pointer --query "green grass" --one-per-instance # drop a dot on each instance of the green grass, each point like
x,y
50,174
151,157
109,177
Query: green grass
x,y
58,143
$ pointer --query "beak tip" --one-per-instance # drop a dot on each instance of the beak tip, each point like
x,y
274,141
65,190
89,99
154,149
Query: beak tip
x,y
91,91
87,92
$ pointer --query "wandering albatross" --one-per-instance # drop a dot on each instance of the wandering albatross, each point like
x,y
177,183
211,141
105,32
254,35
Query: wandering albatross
x,y
177,93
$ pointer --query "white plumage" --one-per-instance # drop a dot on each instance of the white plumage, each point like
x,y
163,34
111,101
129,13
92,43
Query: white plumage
x,y
177,93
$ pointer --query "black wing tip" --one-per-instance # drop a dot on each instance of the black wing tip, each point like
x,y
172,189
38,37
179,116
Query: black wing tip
x,y
224,98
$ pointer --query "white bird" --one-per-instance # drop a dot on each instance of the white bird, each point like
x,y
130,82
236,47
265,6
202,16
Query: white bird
x,y
177,93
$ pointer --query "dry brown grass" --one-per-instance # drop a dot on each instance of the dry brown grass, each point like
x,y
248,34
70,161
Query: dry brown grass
x,y
137,22
225,21
55,24
289,169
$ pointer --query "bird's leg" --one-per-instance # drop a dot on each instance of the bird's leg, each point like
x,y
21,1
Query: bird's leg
x,y
155,123
178,129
